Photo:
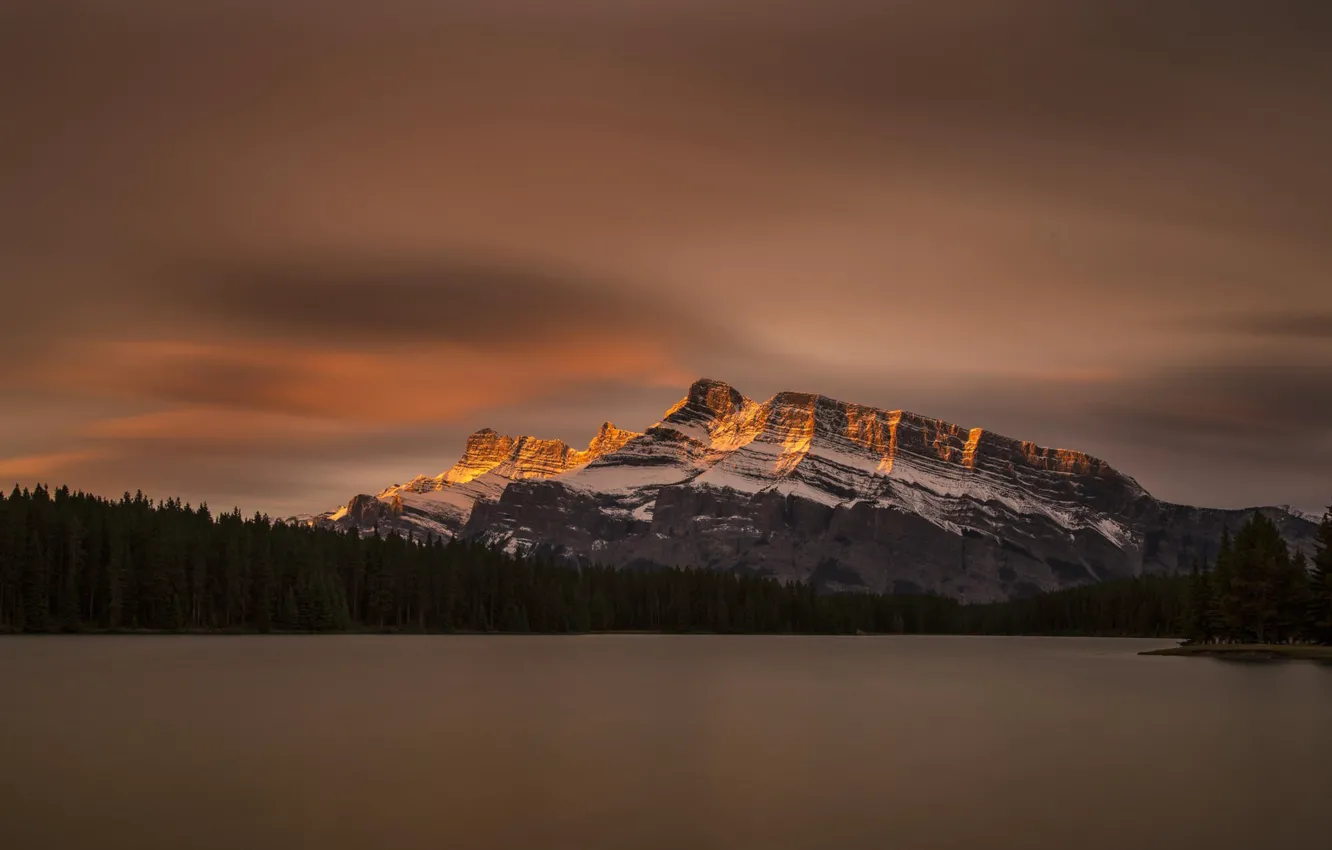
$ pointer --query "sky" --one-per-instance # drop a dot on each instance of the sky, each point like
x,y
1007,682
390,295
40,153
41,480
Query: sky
x,y
270,253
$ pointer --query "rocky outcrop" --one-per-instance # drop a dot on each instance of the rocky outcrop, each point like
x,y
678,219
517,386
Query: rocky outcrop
x,y
440,505
527,457
809,488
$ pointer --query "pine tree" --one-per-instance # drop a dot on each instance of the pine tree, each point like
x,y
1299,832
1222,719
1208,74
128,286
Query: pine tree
x,y
1267,588
1256,608
265,585
1320,584
1224,617
1198,613
36,580
514,618
11,570
115,577
290,616
1295,613
1288,578
71,569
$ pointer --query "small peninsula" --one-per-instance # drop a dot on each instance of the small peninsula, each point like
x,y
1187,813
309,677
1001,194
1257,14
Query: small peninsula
x,y
1248,651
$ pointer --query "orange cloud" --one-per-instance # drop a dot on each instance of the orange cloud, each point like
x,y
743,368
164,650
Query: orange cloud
x,y
37,466
213,389
214,425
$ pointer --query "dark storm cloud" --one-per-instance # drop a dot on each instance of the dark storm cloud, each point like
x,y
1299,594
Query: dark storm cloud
x,y
1274,406
475,301
1228,433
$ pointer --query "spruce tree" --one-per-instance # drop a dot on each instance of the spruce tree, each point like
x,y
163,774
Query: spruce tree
x,y
1320,584
1224,600
36,583
290,616
1295,614
1198,611
1267,588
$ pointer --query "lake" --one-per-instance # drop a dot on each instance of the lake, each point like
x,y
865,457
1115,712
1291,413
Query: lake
x,y
653,741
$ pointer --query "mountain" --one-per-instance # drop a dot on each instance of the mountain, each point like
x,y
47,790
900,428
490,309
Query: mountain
x,y
805,487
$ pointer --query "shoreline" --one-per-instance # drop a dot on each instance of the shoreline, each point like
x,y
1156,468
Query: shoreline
x,y
1248,651
240,632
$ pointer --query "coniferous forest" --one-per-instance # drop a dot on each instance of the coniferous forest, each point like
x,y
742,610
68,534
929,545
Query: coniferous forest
x,y
72,562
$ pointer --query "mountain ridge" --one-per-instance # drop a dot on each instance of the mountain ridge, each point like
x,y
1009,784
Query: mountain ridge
x,y
803,486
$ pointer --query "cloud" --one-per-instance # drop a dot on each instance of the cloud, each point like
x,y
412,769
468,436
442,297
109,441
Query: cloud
x,y
1315,326
1277,406
236,231
465,301
219,428
437,382
43,466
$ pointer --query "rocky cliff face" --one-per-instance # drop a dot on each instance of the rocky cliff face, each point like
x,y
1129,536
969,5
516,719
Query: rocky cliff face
x,y
526,457
806,487
441,505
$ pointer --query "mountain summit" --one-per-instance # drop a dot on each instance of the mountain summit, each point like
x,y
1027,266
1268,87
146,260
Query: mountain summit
x,y
806,487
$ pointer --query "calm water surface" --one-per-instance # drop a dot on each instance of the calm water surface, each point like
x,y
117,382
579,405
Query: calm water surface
x,y
655,742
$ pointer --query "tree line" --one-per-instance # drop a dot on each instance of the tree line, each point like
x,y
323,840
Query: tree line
x,y
1256,591
73,562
